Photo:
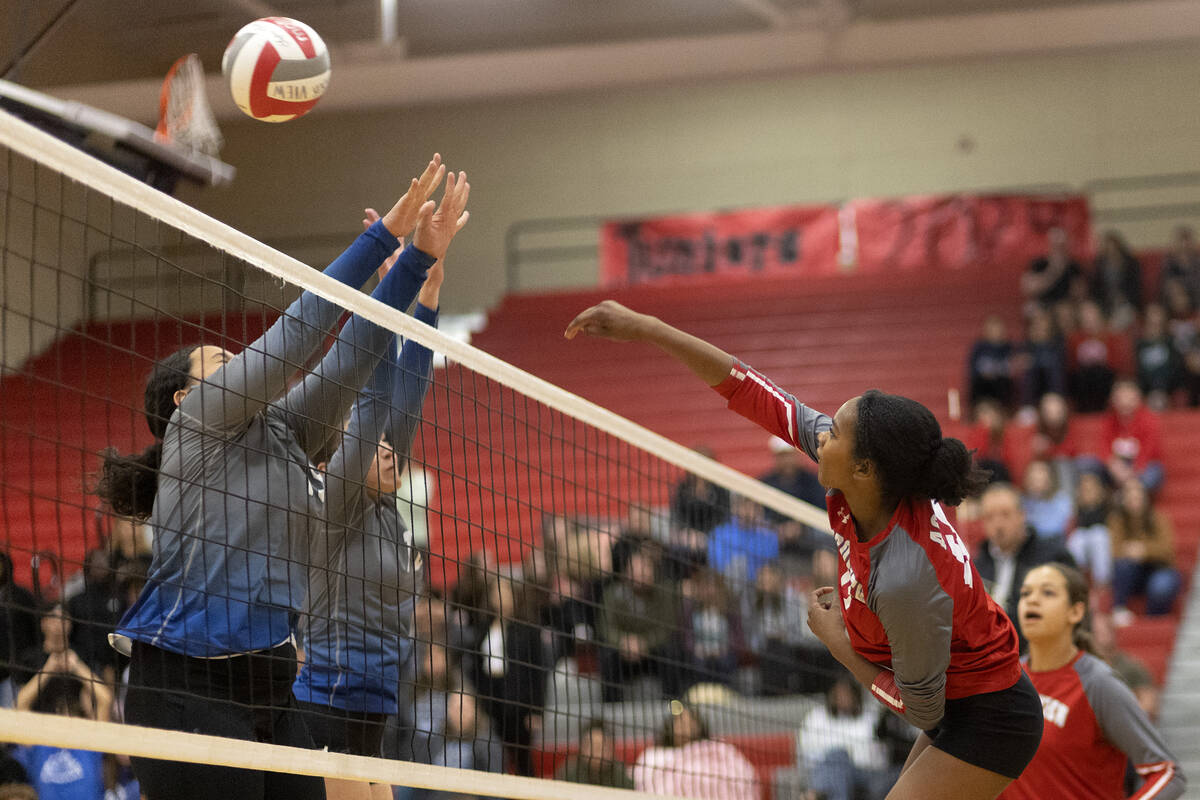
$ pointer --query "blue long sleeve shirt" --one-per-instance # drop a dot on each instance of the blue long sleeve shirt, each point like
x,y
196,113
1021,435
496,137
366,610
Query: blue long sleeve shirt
x,y
237,494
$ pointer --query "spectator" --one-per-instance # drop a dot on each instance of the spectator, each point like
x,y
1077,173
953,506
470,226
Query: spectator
x,y
1011,548
992,440
1132,438
66,686
1129,669
842,754
1182,264
1143,554
1116,280
1043,358
596,763
1066,322
1181,315
1159,364
514,662
687,762
1048,280
698,504
1046,501
467,609
1090,542
637,625
569,614
95,612
62,661
991,365
738,547
1054,436
791,660
1185,332
18,628
712,630
640,524
790,476
462,740
1095,355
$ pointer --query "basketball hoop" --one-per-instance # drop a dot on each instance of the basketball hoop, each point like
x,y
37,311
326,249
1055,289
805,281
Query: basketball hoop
x,y
184,116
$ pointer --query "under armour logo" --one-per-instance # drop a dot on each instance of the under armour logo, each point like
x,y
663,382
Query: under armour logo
x,y
844,516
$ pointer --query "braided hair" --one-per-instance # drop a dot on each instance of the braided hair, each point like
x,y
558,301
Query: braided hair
x,y
904,441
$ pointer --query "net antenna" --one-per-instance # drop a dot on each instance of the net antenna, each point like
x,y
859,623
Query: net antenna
x,y
184,115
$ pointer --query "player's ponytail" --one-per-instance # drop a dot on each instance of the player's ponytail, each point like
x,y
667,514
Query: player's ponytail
x,y
904,441
1077,592
128,483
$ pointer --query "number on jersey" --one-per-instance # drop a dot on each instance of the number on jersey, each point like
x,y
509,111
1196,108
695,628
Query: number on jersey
x,y
950,541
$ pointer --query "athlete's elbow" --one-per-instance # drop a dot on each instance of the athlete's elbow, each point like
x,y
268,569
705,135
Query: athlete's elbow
x,y
924,711
924,719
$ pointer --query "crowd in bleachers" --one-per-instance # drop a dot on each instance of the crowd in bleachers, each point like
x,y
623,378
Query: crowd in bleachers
x,y
56,660
714,590
1102,341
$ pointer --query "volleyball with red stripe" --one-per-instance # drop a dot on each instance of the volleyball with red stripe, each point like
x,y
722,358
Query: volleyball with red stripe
x,y
277,68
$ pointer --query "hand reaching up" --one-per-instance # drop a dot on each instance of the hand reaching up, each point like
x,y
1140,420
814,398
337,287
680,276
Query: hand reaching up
x,y
403,216
436,227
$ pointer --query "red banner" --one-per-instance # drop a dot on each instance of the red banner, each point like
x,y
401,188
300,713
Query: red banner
x,y
957,231
797,240
865,236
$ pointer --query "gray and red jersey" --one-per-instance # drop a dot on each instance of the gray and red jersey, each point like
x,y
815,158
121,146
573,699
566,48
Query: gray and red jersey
x,y
911,598
1094,730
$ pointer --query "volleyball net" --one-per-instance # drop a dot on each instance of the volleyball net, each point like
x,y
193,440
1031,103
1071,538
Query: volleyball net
x,y
569,595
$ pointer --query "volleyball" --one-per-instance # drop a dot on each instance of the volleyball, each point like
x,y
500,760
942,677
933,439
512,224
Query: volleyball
x,y
277,69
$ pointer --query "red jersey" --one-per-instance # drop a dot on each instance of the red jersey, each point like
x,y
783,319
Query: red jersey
x,y
1094,729
911,598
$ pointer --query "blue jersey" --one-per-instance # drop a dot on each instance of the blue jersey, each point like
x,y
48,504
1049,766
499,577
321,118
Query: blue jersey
x,y
237,495
363,584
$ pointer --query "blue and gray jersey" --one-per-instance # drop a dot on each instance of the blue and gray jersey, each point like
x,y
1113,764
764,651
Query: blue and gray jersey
x,y
366,575
236,490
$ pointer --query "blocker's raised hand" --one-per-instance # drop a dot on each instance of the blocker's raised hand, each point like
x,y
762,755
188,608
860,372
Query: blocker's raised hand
x,y
436,228
403,216
608,320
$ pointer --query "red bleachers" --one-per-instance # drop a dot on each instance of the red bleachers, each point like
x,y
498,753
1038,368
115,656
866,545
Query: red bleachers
x,y
499,461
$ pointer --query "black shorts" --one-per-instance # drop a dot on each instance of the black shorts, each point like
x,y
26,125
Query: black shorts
x,y
339,731
999,731
244,697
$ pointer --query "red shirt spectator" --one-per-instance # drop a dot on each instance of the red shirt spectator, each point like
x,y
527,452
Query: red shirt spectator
x,y
1095,356
1094,344
1132,432
997,444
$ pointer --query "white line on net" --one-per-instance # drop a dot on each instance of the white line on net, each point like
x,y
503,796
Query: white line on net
x,y
39,146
